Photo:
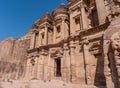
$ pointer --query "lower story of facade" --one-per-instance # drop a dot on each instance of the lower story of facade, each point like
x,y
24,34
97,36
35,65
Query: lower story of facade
x,y
82,63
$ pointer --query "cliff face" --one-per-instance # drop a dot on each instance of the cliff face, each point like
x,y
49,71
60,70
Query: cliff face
x,y
13,54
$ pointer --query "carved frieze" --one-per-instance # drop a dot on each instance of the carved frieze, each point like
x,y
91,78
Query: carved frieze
x,y
44,52
33,54
56,52
66,46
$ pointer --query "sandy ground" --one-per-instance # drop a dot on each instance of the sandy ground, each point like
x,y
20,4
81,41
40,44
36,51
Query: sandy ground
x,y
41,84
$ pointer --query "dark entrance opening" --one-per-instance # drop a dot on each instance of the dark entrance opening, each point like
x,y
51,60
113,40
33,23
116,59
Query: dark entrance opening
x,y
58,67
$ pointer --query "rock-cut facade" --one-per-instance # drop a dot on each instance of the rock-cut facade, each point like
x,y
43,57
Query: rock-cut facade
x,y
78,43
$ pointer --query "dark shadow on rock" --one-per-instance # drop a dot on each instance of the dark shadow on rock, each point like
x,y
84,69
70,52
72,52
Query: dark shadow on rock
x,y
99,74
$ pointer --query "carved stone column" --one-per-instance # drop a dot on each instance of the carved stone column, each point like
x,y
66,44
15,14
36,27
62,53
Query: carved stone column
x,y
42,67
79,63
39,68
49,66
63,27
72,23
66,30
54,36
84,16
72,56
45,65
107,71
87,62
36,66
67,62
32,42
46,35
39,39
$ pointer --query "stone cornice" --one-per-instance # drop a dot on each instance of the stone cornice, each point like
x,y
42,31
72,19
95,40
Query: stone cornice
x,y
82,33
33,54
93,30
56,52
44,52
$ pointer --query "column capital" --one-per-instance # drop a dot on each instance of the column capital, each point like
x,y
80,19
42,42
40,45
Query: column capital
x,y
43,52
72,44
66,46
63,18
35,30
53,23
77,42
86,42
46,25
35,26
82,5
70,11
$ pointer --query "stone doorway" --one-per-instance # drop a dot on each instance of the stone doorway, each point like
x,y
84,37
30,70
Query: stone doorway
x,y
58,67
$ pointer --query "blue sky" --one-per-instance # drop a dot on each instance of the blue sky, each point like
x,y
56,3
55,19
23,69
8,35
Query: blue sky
x,y
17,16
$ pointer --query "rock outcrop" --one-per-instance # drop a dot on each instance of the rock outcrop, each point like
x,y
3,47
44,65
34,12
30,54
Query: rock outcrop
x,y
13,54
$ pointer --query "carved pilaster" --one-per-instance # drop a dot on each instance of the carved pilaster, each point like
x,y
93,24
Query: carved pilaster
x,y
36,67
66,64
80,66
32,42
46,34
54,33
39,39
87,61
84,16
72,56
49,66
45,64
63,27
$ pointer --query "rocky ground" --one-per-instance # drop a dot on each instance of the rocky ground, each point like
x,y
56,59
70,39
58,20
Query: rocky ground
x,y
41,84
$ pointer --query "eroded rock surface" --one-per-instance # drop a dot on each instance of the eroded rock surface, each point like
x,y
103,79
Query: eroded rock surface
x,y
13,53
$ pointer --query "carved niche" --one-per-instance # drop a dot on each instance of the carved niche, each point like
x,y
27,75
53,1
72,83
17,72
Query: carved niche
x,y
32,61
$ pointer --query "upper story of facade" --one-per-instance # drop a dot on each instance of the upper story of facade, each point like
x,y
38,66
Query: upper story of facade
x,y
79,15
